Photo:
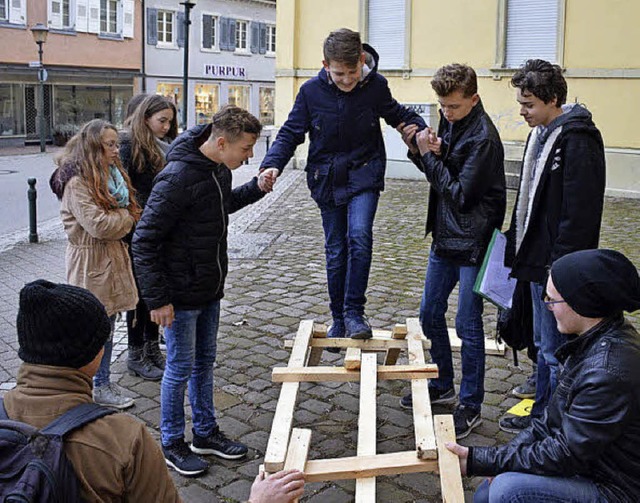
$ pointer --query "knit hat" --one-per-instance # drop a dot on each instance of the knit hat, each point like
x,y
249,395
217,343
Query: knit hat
x,y
60,325
597,283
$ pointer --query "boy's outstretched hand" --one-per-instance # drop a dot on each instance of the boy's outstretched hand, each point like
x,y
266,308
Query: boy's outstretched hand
x,y
408,132
462,453
267,179
281,487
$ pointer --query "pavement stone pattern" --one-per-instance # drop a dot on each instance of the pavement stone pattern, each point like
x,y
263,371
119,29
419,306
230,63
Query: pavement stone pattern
x,y
276,278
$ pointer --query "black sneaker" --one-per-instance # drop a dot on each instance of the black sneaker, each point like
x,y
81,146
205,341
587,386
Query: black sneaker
x,y
218,445
436,396
514,424
357,327
465,420
527,389
336,331
178,456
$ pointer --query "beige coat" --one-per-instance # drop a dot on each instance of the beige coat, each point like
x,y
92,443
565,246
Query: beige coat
x,y
114,457
97,258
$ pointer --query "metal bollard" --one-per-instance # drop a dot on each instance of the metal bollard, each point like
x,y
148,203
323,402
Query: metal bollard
x,y
268,137
32,194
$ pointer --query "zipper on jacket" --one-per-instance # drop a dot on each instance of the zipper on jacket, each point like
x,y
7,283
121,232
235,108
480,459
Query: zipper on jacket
x,y
224,228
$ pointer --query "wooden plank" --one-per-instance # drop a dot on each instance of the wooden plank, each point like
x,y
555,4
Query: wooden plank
x,y
491,346
340,374
298,451
356,467
422,418
373,344
315,354
399,332
352,359
275,454
448,463
366,487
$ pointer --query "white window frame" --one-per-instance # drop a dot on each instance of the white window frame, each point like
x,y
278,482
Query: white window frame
x,y
405,64
162,43
247,33
5,19
15,12
215,19
56,21
271,39
501,46
107,22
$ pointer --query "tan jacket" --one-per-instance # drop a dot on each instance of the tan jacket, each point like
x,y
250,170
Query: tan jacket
x,y
97,258
115,457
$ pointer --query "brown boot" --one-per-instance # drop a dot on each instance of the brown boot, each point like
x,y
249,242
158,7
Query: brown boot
x,y
138,364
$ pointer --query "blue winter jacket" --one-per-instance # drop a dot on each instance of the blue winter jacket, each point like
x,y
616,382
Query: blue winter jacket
x,y
346,151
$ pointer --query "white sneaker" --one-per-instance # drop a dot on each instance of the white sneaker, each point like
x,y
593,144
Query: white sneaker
x,y
111,396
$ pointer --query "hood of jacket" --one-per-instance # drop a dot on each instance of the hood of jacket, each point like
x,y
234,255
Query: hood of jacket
x,y
371,59
573,115
186,148
61,177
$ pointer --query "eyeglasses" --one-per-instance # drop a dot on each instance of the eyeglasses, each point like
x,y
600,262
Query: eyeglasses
x,y
550,303
111,145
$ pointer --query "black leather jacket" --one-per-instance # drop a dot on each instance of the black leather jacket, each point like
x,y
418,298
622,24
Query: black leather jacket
x,y
591,426
467,199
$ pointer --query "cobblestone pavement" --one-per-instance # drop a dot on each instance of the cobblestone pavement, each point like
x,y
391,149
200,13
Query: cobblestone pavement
x,y
277,278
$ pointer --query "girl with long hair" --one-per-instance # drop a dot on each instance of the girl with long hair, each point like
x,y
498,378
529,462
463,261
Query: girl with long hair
x,y
98,210
149,131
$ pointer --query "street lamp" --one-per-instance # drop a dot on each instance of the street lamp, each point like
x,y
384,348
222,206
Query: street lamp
x,y
188,5
40,33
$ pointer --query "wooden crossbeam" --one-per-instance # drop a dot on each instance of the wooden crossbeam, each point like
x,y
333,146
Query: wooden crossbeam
x,y
373,344
356,467
448,463
422,418
340,374
491,346
366,487
399,332
275,454
315,354
352,359
298,451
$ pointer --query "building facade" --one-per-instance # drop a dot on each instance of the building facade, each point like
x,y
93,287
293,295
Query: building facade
x,y
91,56
594,41
232,46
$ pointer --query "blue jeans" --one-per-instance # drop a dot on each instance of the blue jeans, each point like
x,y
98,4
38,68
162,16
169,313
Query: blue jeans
x,y
547,340
512,487
442,276
348,234
191,353
103,375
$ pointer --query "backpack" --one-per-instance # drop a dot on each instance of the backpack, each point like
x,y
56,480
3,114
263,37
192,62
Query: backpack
x,y
515,325
33,465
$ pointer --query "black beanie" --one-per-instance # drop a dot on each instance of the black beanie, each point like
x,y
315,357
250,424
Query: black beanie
x,y
60,325
597,283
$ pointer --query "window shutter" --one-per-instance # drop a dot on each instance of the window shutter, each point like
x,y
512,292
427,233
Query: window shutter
x,y
82,16
128,13
55,13
94,16
232,34
180,28
263,38
532,31
17,11
207,31
387,27
152,26
224,34
255,37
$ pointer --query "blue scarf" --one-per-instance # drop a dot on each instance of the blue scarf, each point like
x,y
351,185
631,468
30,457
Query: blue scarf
x,y
117,187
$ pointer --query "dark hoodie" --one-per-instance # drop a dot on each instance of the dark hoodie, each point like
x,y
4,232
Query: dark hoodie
x,y
346,152
566,208
180,243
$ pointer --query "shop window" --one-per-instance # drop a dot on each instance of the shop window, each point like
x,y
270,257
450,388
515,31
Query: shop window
x,y
207,99
239,96
166,27
241,36
11,109
267,95
172,91
76,105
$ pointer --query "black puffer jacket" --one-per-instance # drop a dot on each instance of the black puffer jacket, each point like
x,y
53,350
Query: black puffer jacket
x,y
591,426
566,210
180,243
467,200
